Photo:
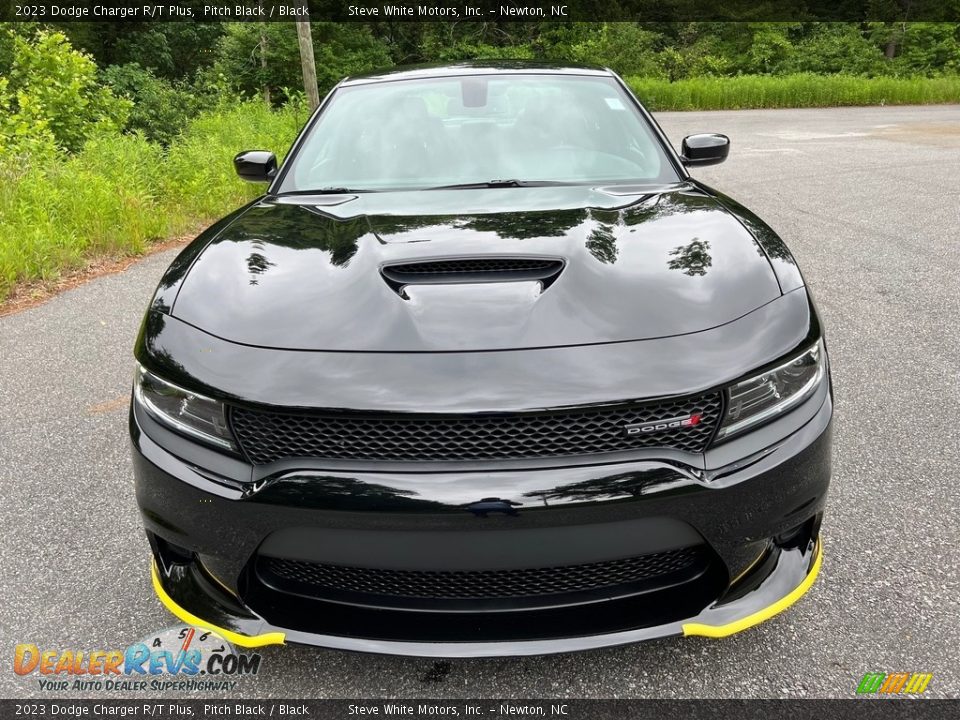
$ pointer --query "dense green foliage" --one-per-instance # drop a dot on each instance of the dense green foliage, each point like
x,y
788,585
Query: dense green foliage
x,y
159,108
112,136
175,50
252,57
49,94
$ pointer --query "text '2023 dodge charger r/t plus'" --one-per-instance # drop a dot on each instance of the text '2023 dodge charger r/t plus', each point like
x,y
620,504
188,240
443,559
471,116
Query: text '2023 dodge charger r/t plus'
x,y
485,371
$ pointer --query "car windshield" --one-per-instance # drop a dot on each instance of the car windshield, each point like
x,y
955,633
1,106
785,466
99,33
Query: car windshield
x,y
477,130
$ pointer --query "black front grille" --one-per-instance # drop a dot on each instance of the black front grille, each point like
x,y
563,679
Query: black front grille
x,y
334,580
268,436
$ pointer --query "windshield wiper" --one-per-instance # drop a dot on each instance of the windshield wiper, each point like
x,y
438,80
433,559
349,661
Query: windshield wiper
x,y
499,184
338,191
327,191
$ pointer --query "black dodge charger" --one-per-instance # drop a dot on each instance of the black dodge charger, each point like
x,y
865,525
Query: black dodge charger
x,y
485,371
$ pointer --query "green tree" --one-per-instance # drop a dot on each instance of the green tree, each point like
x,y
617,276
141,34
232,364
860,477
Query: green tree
x,y
171,50
929,49
837,48
160,110
770,48
624,47
53,91
339,48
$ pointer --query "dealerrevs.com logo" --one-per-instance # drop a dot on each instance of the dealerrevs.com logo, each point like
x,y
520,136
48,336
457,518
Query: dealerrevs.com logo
x,y
177,658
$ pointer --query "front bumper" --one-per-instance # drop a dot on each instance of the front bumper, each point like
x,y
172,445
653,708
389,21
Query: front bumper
x,y
792,576
756,516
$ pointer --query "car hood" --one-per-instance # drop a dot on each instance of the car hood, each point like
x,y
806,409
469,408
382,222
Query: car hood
x,y
305,273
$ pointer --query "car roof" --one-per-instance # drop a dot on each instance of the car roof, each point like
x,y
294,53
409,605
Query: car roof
x,y
474,67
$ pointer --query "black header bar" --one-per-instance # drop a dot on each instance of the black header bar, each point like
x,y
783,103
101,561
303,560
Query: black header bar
x,y
477,10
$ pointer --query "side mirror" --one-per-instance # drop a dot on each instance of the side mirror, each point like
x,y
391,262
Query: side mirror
x,y
256,165
705,149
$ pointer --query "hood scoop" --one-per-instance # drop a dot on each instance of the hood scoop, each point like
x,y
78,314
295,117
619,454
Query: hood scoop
x,y
472,270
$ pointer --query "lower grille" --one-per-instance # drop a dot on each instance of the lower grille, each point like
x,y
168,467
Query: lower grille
x,y
269,436
333,580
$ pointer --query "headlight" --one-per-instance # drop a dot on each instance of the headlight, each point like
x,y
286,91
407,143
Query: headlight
x,y
181,410
773,392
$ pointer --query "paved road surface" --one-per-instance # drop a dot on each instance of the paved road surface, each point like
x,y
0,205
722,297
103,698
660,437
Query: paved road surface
x,y
868,200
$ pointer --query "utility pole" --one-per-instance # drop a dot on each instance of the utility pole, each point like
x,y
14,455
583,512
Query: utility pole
x,y
307,63
263,63
265,87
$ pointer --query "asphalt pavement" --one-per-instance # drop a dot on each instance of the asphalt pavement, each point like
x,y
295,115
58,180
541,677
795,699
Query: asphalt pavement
x,y
869,201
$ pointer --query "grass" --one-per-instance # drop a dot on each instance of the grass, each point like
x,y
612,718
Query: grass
x,y
120,193
792,91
